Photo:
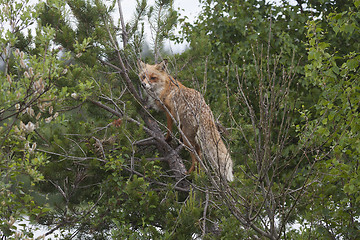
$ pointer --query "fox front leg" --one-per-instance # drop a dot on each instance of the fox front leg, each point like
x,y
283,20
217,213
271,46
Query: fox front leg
x,y
194,161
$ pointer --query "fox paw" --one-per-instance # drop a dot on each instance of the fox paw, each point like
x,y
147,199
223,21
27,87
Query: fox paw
x,y
168,138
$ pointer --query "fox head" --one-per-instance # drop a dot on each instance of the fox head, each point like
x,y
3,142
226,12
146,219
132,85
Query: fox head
x,y
153,77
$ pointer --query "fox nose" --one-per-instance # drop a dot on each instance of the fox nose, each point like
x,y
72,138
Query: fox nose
x,y
146,85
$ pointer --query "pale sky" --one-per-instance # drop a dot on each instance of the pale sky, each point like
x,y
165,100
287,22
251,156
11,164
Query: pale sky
x,y
189,8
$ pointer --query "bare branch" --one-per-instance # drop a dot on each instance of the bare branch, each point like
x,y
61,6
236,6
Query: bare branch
x,y
123,28
176,187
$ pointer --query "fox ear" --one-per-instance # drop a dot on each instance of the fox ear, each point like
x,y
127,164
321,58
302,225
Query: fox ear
x,y
141,64
162,66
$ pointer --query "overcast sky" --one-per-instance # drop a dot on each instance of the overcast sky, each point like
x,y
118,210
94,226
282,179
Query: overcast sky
x,y
189,8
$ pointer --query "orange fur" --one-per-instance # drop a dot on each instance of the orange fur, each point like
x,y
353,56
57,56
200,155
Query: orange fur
x,y
188,108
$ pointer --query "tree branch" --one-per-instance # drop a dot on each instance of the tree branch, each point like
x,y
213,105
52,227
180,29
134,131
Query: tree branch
x,y
123,27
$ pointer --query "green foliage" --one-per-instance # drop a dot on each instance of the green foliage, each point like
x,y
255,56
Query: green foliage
x,y
243,42
27,104
80,175
334,69
282,78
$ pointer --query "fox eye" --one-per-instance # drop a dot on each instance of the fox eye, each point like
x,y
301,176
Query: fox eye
x,y
152,78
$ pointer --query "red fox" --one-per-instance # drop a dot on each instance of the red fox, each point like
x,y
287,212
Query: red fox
x,y
193,115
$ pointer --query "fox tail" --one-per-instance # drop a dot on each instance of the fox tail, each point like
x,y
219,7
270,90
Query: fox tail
x,y
215,151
